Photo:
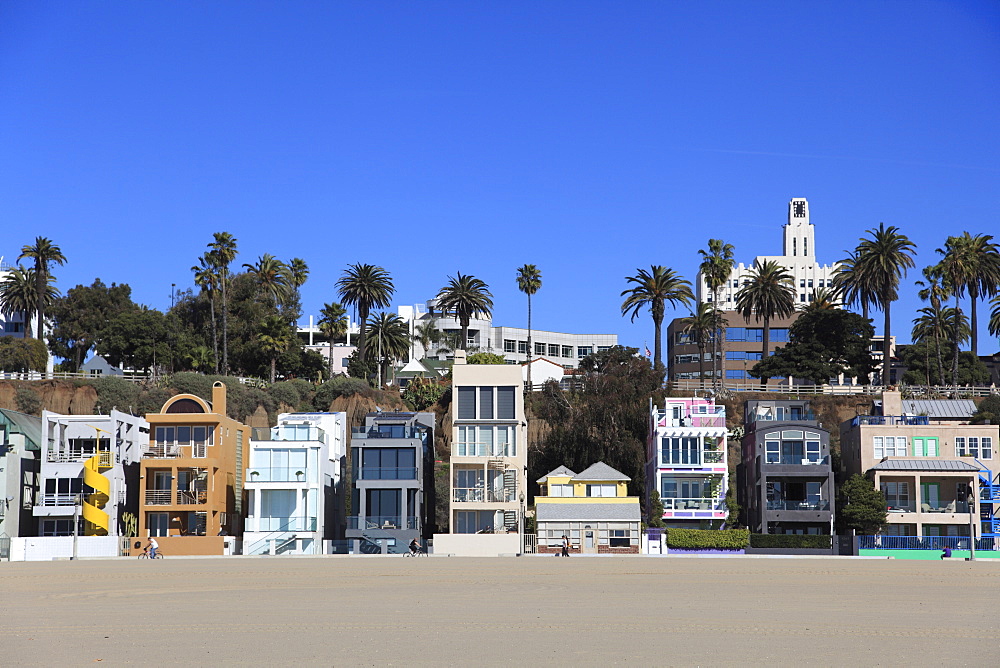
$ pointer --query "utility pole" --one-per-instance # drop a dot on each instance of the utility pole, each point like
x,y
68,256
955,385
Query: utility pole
x,y
972,528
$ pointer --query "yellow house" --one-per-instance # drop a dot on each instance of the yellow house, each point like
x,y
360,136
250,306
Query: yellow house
x,y
592,508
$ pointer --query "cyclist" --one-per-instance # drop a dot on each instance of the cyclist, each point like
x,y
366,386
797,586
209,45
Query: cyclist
x,y
415,547
152,547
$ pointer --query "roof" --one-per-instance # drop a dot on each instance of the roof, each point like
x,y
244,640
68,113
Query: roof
x,y
940,408
924,465
28,425
561,471
413,366
601,471
554,512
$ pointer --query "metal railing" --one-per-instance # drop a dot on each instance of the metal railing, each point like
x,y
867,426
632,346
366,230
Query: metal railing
x,y
78,455
464,494
799,460
387,473
58,499
530,544
191,498
902,420
782,504
692,503
158,497
162,451
692,457
405,432
383,522
924,542
280,524
279,474
786,416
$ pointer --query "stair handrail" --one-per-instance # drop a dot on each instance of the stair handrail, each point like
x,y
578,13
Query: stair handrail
x,y
263,541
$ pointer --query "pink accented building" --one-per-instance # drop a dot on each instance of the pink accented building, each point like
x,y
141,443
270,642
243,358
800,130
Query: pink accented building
x,y
686,460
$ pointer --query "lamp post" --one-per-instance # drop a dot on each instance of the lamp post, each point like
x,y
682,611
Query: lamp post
x,y
76,522
972,528
520,525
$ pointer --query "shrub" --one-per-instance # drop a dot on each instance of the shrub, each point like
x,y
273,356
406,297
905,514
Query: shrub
x,y
700,539
486,358
193,383
989,409
116,393
152,400
286,393
423,392
791,541
339,386
28,401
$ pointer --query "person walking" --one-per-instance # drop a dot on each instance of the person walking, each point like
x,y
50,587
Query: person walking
x,y
565,545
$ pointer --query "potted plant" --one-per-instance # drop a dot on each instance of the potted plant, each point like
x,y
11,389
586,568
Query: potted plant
x,y
254,474
299,474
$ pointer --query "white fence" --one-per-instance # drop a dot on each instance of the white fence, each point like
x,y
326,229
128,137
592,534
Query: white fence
x,y
131,377
47,548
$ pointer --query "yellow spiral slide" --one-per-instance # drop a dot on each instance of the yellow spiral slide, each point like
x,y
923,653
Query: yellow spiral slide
x,y
96,518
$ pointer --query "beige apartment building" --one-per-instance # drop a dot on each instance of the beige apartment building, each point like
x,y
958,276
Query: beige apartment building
x,y
926,466
489,448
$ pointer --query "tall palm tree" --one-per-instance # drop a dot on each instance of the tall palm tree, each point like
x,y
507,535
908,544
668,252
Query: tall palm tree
x,y
934,289
654,288
529,281
882,261
716,267
994,324
272,278
770,293
206,278
973,262
333,323
463,297
274,338
389,337
298,272
44,253
365,286
18,295
852,285
222,253
702,324
942,323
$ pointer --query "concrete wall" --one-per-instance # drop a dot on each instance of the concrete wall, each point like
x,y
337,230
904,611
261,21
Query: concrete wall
x,y
476,544
47,548
928,554
186,545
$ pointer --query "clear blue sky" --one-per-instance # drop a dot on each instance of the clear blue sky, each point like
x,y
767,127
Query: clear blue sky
x,y
588,138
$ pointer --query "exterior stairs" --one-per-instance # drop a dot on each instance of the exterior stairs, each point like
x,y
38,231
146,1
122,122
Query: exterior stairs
x,y
97,519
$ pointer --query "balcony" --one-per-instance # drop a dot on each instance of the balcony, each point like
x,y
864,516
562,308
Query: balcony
x,y
383,522
79,455
387,473
158,497
783,416
58,499
190,498
399,432
891,420
714,416
480,495
670,505
691,457
173,450
797,460
278,474
783,504
280,524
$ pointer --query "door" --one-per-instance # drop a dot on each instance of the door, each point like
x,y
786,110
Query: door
x,y
588,541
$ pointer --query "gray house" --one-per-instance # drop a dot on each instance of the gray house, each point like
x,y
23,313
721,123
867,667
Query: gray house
x,y
785,478
392,472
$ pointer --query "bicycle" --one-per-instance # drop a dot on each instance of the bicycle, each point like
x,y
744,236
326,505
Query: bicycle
x,y
419,552
145,554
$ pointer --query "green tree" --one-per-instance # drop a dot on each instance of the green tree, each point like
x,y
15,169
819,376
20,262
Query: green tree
x,y
20,355
82,318
654,288
823,299
223,252
365,286
988,412
426,334
390,338
861,507
272,278
529,281
853,285
18,295
655,510
768,294
942,324
44,253
703,325
486,358
141,339
421,393
882,262
333,324
822,344
716,267
298,273
206,278
935,290
274,338
971,370
464,297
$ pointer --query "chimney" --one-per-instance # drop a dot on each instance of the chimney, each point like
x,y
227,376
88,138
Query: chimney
x,y
892,403
459,357
219,398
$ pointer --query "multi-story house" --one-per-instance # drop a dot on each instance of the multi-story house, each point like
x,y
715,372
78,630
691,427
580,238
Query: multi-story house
x,y
293,483
90,472
927,468
686,460
488,448
592,509
392,466
191,475
785,478
20,446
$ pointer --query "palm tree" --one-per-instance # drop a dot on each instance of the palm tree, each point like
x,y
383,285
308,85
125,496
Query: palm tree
x,y
272,278
654,288
365,286
298,272
200,357
390,337
17,295
994,325
333,323
853,286
823,299
882,261
426,334
465,296
973,262
935,290
44,253
529,281
702,324
770,293
935,324
275,336
206,279
222,252
716,267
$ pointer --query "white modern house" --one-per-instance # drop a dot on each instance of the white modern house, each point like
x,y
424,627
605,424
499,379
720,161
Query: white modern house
x,y
295,500
798,256
20,444
90,473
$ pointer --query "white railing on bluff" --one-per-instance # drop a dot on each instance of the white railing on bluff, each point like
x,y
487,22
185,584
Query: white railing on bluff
x,y
131,377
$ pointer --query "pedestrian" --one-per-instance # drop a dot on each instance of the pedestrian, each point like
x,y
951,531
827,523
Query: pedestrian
x,y
565,545
947,552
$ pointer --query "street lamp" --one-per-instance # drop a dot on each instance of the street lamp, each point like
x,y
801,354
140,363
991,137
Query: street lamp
x,y
972,528
520,524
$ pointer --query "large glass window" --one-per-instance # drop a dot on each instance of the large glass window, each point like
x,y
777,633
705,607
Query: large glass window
x,y
772,452
602,490
505,402
466,403
584,351
539,348
974,446
889,446
509,345
680,450
522,347
485,403
486,440
897,495
388,464
567,351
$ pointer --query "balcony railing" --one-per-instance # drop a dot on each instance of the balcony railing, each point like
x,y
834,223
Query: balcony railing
x,y
691,457
389,473
76,455
280,474
692,503
280,524
158,497
58,499
923,542
190,498
785,416
405,432
715,416
162,451
782,504
797,460
383,522
890,420
480,495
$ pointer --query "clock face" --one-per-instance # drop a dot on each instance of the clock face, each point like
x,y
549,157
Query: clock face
x,y
799,209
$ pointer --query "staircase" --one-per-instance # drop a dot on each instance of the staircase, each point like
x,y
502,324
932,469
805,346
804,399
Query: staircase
x,y
96,518
280,539
989,499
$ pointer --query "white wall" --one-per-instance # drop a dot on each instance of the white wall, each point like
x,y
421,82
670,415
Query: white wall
x,y
48,548
476,544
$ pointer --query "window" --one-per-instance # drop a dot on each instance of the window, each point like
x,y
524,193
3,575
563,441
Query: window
x,y
810,282
560,490
802,297
777,335
567,351
554,350
889,446
509,345
60,527
970,447
680,450
466,403
505,402
732,374
741,355
539,348
583,351
157,523
486,441
602,349
485,403
522,347
802,282
813,451
619,537
925,446
897,494
772,452
602,490
387,464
